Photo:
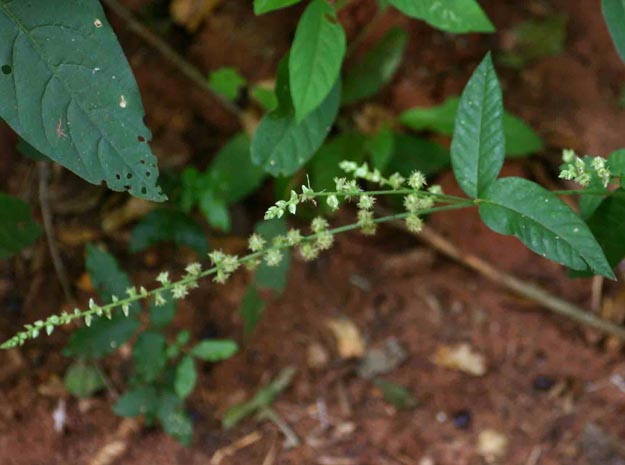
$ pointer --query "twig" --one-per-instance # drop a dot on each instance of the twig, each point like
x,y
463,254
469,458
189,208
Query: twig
x,y
44,201
528,290
186,68
233,448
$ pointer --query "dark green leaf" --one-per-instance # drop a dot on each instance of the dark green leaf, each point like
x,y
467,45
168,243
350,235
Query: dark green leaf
x,y
168,225
414,153
82,380
29,151
316,57
66,88
478,144
215,210
265,6
543,222
148,354
173,418
534,40
608,225
376,68
396,394
457,16
325,164
215,350
614,16
281,145
17,227
273,277
251,309
226,82
137,402
520,138
186,377
381,147
616,164
104,336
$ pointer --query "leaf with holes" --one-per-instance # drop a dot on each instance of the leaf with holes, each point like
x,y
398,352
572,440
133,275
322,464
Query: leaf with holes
x,y
543,222
316,57
17,227
67,89
478,146
457,16
281,145
614,15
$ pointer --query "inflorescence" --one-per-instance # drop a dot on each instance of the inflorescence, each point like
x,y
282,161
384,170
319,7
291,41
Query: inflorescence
x,y
417,201
582,170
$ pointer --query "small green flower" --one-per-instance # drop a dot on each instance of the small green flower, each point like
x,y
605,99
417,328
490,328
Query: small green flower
x,y
333,202
273,257
414,224
417,180
366,202
256,242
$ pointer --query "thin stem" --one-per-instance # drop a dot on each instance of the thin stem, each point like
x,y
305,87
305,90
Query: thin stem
x,y
439,197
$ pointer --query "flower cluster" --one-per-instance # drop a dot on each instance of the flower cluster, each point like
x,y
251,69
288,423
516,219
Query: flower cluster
x,y
582,170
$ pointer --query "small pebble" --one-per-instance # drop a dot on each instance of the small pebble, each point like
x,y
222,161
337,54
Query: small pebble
x,y
543,383
462,419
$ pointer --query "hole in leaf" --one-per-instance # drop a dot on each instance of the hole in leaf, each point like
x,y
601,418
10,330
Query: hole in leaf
x,y
141,139
6,69
118,176
144,190
127,187
129,176
142,162
148,174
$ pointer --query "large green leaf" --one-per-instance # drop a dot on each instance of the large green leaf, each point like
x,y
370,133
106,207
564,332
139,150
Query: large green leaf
x,y
168,225
265,6
608,225
148,354
521,139
415,153
316,57
543,222
376,68
281,145
478,144
104,336
66,88
614,15
457,16
17,227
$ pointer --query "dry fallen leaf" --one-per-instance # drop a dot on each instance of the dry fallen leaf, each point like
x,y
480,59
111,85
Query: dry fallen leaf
x,y
491,445
191,13
460,357
349,340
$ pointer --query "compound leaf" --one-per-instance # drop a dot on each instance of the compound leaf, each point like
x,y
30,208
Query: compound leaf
x,y
316,57
66,88
17,227
457,16
543,222
478,146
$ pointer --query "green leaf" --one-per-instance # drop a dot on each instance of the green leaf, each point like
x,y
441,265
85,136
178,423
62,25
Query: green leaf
x,y
545,224
376,69
273,277
162,315
608,225
227,82
232,173
67,89
478,144
396,394
534,40
173,418
104,336
17,227
381,147
457,16
265,97
215,210
167,225
251,309
215,350
29,151
186,377
135,402
616,164
281,145
614,16
263,399
265,6
82,380
316,57
148,354
324,166
520,138
414,153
